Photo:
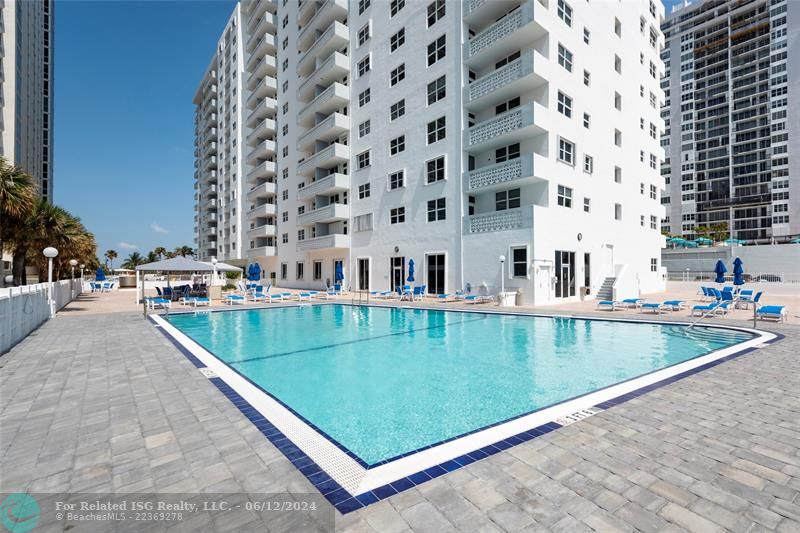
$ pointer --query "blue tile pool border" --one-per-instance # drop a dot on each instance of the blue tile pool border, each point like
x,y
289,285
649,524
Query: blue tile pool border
x,y
343,500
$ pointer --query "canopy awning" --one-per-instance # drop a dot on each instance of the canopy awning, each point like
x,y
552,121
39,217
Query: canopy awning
x,y
184,264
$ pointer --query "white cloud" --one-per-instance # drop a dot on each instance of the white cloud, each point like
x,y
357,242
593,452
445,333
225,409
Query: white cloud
x,y
127,246
158,229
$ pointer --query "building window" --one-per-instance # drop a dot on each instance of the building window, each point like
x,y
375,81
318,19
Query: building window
x,y
363,5
436,210
653,70
587,78
285,239
653,264
363,159
564,57
617,137
653,192
364,128
397,215
397,110
397,180
617,101
564,105
362,222
285,129
363,191
316,273
617,27
564,197
509,199
565,12
397,40
588,164
285,194
519,261
506,153
617,211
436,10
285,108
617,175
395,6
397,145
397,75
586,35
285,217
285,151
301,234
285,173
437,90
364,97
364,34
653,161
508,105
436,50
587,205
436,130
653,222
617,64
434,170
284,270
566,151
587,120
364,65
300,268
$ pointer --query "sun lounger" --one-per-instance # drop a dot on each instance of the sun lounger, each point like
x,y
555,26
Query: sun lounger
x,y
473,299
200,301
674,305
651,306
611,304
187,300
303,296
153,303
631,302
231,299
712,308
773,312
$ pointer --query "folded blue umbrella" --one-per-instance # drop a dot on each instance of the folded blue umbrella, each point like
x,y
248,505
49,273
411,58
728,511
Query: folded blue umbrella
x,y
738,270
720,270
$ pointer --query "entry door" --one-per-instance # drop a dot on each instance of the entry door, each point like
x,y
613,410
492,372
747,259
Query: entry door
x,y
435,278
565,274
363,274
397,267
587,272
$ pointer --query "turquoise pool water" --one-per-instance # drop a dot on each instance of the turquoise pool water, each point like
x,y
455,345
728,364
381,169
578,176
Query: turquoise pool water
x,y
386,381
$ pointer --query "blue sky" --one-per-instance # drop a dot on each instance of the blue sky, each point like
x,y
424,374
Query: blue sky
x,y
125,75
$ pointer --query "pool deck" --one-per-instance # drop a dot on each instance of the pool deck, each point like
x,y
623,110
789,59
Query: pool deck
x,y
97,401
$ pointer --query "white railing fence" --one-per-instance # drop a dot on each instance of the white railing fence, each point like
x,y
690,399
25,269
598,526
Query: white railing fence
x,y
749,277
25,308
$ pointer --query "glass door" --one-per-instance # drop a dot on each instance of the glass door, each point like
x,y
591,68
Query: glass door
x,y
587,276
397,267
363,274
435,277
565,274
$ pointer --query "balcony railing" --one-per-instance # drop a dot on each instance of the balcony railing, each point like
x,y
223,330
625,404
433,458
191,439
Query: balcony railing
x,y
325,102
260,191
335,67
334,240
336,36
500,125
503,77
262,251
509,219
262,170
326,158
330,128
265,230
326,214
331,183
500,173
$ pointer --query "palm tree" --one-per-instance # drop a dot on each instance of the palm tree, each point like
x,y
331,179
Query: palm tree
x,y
160,251
183,251
133,260
110,255
17,199
153,256
44,226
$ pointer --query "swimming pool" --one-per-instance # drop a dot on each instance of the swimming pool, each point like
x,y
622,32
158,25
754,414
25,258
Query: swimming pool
x,y
385,384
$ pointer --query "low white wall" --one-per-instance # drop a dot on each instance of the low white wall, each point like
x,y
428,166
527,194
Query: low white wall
x,y
25,308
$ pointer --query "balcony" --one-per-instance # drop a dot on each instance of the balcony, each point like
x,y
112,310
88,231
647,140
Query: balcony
x,y
334,97
329,129
265,23
210,217
211,245
264,45
505,35
500,174
261,111
330,184
210,230
329,11
265,230
334,240
526,73
266,66
212,148
262,170
306,11
505,128
476,11
509,219
328,157
263,210
262,130
211,190
210,204
209,178
261,150
262,191
261,251
334,68
334,38
210,163
268,86
325,215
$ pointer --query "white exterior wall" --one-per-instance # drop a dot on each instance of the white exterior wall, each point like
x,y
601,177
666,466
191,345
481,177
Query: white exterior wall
x,y
26,83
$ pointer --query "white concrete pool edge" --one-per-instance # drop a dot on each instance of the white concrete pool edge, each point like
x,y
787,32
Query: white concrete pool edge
x,y
357,480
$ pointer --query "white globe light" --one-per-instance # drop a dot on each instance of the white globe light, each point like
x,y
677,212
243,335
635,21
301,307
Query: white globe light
x,y
73,262
50,252
502,259
213,260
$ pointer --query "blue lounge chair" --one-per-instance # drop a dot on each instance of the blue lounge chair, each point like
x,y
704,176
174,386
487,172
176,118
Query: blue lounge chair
x,y
711,308
651,306
674,305
187,300
200,300
745,301
473,299
774,312
153,303
609,304
632,302
231,299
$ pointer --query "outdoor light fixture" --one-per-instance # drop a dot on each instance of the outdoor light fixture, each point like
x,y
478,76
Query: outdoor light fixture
x,y
73,263
214,274
502,260
50,253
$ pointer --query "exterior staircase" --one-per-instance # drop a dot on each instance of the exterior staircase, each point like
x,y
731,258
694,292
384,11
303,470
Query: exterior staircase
x,y
606,291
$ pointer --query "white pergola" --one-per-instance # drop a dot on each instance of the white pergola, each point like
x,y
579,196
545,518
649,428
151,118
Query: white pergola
x,y
178,265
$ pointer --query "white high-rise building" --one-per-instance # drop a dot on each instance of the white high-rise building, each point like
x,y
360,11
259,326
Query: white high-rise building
x,y
26,88
731,136
456,134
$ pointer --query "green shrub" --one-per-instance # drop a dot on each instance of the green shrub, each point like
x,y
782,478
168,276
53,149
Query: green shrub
x,y
228,287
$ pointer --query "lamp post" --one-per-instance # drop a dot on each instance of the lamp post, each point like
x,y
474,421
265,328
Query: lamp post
x,y
214,274
82,267
502,260
72,263
50,253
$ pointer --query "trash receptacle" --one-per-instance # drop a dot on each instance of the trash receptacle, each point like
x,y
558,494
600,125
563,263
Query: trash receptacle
x,y
506,299
520,298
